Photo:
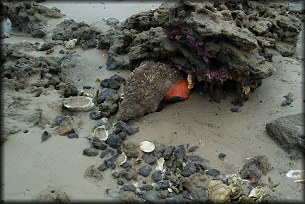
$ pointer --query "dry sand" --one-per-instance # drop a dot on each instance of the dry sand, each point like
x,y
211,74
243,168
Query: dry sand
x,y
30,166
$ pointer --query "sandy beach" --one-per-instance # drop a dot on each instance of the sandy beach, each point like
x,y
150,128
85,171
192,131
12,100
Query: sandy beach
x,y
30,167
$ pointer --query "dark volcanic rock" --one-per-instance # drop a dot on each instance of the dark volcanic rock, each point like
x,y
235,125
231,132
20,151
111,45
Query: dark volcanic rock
x,y
288,99
126,165
193,148
110,83
288,131
68,90
189,169
105,93
120,182
107,152
145,171
212,172
147,187
95,115
72,135
164,185
114,141
45,136
167,154
129,187
179,154
156,176
91,152
122,126
149,158
98,144
103,167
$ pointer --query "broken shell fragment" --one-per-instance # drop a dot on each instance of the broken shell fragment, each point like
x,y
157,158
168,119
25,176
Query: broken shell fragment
x,y
190,81
122,158
218,192
101,133
71,44
147,146
160,163
78,103
257,192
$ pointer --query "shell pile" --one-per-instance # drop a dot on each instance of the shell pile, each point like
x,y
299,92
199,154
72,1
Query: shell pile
x,y
219,192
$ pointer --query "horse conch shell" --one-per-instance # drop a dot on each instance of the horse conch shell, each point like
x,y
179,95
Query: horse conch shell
x,y
147,146
78,103
101,133
218,192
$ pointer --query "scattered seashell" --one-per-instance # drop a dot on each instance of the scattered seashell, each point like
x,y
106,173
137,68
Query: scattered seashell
x,y
122,158
170,190
257,192
295,174
246,89
78,103
71,44
160,163
147,146
101,133
219,192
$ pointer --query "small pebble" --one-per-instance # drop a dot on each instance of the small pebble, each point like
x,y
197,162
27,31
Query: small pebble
x,y
147,187
62,51
114,141
107,152
95,115
192,149
222,156
120,182
87,87
168,152
144,171
72,135
98,144
149,158
116,175
102,167
122,135
91,152
45,136
156,176
189,169
129,187
126,165
164,185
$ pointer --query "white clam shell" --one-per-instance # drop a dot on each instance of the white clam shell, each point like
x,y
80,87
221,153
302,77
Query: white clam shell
x,y
122,158
78,103
147,146
100,132
257,192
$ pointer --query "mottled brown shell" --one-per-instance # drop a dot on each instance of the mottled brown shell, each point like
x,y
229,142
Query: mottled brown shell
x,y
218,192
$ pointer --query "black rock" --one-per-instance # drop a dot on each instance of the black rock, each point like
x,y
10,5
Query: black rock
x,y
212,172
114,141
167,154
126,165
144,171
45,135
149,158
105,113
68,90
103,167
72,135
118,78
222,156
95,115
179,154
110,162
120,182
107,152
91,152
105,93
129,187
122,135
98,144
146,187
130,174
156,176
119,150
87,87
115,175
62,51
192,149
159,149
58,120
164,185
122,126
110,83
188,169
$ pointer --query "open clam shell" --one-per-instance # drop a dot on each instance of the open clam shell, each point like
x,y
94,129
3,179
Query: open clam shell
x,y
122,158
101,133
147,146
78,103
160,163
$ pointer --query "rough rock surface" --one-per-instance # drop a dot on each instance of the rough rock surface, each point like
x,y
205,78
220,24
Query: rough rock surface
x,y
288,131
29,17
215,42
145,87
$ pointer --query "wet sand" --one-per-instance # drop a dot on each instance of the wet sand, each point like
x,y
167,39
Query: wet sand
x,y
31,166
